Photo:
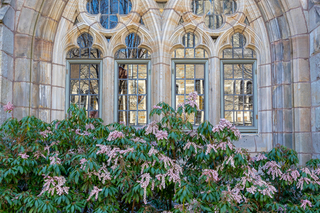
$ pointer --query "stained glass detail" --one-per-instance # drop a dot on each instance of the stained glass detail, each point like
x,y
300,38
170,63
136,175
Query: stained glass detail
x,y
109,10
214,9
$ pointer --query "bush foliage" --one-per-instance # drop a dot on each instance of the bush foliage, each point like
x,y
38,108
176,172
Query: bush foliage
x,y
80,165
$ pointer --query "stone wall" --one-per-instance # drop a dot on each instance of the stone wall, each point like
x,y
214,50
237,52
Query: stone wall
x,y
36,34
314,29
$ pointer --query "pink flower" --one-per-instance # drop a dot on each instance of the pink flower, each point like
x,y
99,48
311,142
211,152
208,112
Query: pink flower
x,y
90,126
193,96
302,181
195,146
54,184
273,169
144,182
259,157
24,156
45,133
157,107
210,174
252,190
122,122
161,135
226,124
305,203
152,128
8,107
95,191
115,135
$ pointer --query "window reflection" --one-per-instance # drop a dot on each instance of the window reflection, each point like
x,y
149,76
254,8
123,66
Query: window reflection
x,y
214,9
109,10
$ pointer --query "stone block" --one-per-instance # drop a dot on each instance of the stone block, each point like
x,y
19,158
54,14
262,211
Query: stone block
x,y
57,115
315,41
44,96
300,44
27,21
287,96
302,119
34,4
287,120
34,96
316,120
58,97
263,142
304,158
42,72
43,50
265,98
265,121
300,70
22,69
288,140
59,75
20,112
246,142
44,115
46,29
24,43
7,16
278,120
302,95
303,142
297,21
316,142
264,74
6,65
315,93
6,90
277,96
21,94
315,67
277,139
6,39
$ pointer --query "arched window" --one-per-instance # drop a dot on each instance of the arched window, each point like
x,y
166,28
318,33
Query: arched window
x,y
190,76
214,9
84,76
239,89
132,51
109,10
132,83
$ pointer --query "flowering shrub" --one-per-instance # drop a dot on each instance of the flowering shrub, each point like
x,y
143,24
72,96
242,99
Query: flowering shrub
x,y
80,165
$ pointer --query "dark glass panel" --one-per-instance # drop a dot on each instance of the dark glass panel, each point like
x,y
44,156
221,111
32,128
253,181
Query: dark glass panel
x,y
133,40
85,40
113,21
74,72
93,7
104,20
104,6
114,7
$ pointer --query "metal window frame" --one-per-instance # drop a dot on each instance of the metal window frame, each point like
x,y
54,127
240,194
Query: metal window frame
x,y
83,61
243,129
206,81
132,61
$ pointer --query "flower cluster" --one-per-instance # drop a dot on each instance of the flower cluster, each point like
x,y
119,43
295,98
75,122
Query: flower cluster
x,y
211,175
24,155
225,124
54,184
94,192
8,107
157,107
115,135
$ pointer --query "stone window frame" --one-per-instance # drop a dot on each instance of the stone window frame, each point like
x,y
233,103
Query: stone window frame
x,y
71,61
243,129
116,79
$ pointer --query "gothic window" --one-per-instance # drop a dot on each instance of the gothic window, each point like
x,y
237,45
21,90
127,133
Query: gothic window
x,y
132,83
214,9
239,93
84,76
109,10
190,76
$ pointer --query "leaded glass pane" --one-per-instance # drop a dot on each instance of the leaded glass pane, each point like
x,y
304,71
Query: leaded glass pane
x,y
238,93
84,87
238,48
132,94
85,49
109,10
132,51
190,78
190,41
